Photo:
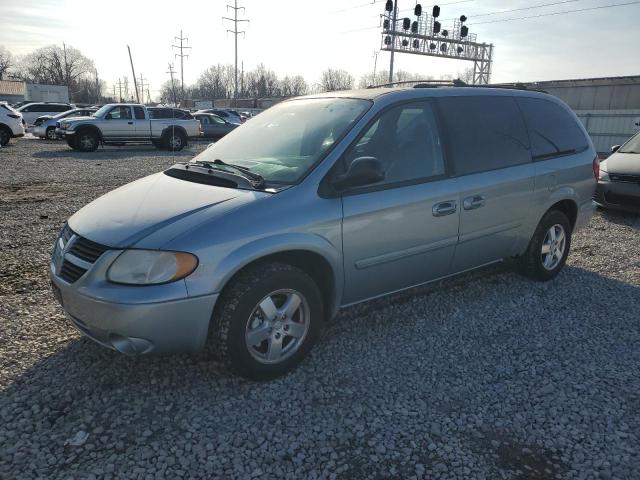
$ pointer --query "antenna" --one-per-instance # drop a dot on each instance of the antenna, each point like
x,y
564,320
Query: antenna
x,y
181,47
235,32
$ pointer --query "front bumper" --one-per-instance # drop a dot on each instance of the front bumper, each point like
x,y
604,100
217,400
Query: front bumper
x,y
623,196
142,327
38,131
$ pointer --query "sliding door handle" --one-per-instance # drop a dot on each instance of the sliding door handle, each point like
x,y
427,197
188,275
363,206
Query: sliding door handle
x,y
476,201
444,208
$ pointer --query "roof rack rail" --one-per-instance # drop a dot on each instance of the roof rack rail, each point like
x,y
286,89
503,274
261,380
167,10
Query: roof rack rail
x,y
458,83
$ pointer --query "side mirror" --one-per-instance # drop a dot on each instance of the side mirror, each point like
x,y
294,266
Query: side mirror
x,y
362,171
615,148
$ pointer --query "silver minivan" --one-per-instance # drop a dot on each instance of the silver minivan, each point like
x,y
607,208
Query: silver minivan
x,y
322,202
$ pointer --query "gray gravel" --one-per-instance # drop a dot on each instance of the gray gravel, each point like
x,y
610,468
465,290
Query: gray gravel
x,y
485,376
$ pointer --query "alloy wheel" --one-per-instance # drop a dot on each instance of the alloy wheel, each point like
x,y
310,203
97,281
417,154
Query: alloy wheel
x,y
277,326
553,247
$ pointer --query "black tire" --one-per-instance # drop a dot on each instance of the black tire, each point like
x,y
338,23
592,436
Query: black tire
x,y
71,141
531,264
174,140
236,306
87,141
50,134
5,136
159,144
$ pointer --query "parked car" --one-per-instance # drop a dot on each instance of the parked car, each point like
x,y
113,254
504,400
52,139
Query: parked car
x,y
31,111
119,123
214,126
322,202
166,112
45,126
619,177
11,125
226,115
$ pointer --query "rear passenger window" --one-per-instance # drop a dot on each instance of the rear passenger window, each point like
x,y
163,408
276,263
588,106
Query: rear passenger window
x,y
139,113
484,133
552,130
60,108
407,142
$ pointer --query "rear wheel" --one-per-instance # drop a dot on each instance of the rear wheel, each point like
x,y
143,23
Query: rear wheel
x,y
87,141
548,248
5,135
51,133
267,320
174,140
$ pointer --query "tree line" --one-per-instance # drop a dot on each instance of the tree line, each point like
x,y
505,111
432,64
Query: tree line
x,y
66,65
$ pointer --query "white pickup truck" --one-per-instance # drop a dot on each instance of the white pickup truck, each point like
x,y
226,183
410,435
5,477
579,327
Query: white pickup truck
x,y
119,123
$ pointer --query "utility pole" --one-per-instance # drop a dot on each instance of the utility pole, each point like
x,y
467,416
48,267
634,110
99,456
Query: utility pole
x,y
98,92
393,38
173,87
120,85
181,47
142,85
66,67
135,82
235,32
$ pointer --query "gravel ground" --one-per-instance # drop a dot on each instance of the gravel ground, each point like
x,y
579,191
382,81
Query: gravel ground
x,y
485,376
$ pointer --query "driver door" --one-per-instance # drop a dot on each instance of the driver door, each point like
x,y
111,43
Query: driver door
x,y
401,231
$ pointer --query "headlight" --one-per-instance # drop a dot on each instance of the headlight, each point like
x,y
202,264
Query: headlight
x,y
603,175
151,267
64,126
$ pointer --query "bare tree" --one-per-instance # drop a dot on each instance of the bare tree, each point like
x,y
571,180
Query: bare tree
x,y
53,65
262,82
215,82
466,76
6,61
335,79
293,86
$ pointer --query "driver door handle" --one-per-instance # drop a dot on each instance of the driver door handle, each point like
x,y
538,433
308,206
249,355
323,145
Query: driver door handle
x,y
130,123
473,202
444,208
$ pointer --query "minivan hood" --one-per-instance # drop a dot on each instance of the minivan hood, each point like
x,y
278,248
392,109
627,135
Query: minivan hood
x,y
623,163
124,216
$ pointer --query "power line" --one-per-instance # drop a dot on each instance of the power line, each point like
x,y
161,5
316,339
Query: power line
x,y
181,47
601,7
531,7
236,32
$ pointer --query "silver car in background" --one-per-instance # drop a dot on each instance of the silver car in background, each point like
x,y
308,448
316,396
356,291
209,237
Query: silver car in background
x,y
619,177
322,202
45,126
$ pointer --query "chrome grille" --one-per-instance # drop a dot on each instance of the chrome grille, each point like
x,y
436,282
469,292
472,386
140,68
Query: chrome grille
x,y
82,249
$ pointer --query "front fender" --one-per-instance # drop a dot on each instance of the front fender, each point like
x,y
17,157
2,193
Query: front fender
x,y
223,270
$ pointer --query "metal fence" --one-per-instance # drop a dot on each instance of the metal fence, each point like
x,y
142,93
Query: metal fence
x,y
609,127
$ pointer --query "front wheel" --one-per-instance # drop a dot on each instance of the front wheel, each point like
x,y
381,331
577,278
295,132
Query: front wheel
x,y
51,133
87,141
548,249
267,320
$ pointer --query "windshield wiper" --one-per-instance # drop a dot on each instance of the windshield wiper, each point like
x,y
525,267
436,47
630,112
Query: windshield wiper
x,y
255,178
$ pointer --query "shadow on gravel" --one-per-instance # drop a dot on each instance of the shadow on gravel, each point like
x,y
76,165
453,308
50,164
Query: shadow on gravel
x,y
498,369
108,153
621,218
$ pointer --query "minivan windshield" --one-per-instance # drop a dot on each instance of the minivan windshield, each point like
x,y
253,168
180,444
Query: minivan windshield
x,y
284,142
632,145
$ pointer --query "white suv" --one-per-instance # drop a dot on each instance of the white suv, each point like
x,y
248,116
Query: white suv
x,y
31,111
10,124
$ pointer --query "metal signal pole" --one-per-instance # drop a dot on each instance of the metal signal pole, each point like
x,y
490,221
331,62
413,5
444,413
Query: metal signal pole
x,y
181,47
235,32
393,38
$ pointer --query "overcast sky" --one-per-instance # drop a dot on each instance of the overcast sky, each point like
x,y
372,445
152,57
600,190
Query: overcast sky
x,y
303,37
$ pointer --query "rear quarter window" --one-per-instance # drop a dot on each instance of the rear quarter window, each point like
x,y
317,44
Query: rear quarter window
x,y
552,130
484,133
